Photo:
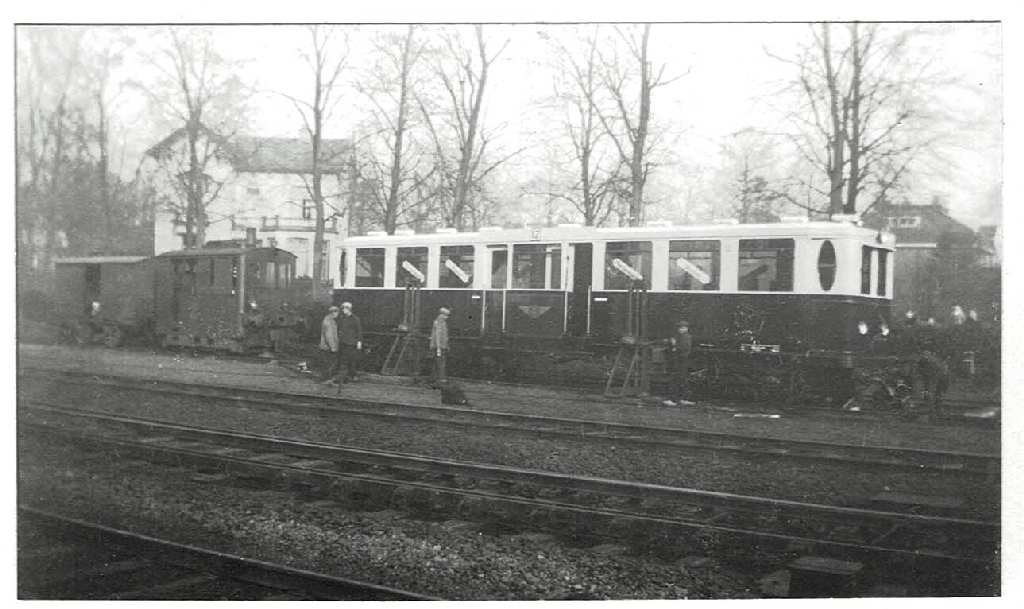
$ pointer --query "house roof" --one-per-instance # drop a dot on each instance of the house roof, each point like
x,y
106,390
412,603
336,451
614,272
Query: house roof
x,y
935,224
252,154
286,155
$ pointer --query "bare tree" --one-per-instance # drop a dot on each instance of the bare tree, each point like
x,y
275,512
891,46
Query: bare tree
x,y
628,122
396,170
200,93
50,68
577,92
461,174
748,177
859,119
326,64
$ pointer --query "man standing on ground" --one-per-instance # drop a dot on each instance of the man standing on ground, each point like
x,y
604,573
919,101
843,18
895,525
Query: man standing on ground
x,y
439,344
350,341
329,344
679,346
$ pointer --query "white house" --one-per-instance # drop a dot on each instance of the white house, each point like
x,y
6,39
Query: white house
x,y
266,185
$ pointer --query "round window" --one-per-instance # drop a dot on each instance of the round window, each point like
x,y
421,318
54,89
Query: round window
x,y
827,265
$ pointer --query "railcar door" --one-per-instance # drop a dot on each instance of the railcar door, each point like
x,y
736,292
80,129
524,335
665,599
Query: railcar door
x,y
579,297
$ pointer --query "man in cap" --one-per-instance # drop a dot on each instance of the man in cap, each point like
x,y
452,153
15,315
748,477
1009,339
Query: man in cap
x,y
439,343
350,341
680,344
329,344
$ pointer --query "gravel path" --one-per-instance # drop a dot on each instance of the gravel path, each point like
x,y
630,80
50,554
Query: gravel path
x,y
801,481
550,402
443,559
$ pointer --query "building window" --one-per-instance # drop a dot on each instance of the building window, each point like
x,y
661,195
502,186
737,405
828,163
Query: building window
x,y
325,265
904,221
416,257
307,209
370,267
634,254
883,258
865,270
300,247
693,265
252,191
536,266
766,265
827,265
456,266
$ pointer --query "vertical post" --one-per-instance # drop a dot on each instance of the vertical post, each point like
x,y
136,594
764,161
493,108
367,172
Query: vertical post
x,y
240,266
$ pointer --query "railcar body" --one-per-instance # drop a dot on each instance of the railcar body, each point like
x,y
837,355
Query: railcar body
x,y
791,287
225,298
104,297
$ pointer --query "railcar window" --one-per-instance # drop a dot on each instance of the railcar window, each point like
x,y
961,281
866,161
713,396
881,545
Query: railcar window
x,y
536,266
370,267
827,265
284,274
883,256
693,265
415,256
766,265
223,273
456,266
270,278
865,270
636,254
499,267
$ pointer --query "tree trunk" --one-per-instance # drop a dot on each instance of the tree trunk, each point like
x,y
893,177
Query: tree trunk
x,y
318,199
54,194
393,203
837,143
853,187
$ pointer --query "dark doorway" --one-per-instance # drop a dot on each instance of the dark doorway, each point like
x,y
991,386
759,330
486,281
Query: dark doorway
x,y
580,296
92,286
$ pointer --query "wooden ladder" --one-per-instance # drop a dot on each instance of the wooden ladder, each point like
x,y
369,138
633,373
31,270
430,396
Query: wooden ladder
x,y
633,360
406,352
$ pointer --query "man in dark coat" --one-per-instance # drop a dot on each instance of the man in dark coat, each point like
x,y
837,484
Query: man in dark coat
x,y
439,344
329,344
680,344
350,341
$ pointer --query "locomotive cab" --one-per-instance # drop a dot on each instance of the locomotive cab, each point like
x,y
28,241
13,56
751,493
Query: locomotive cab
x,y
224,298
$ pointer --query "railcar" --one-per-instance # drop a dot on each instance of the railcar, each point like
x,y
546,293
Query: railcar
x,y
225,298
817,289
107,298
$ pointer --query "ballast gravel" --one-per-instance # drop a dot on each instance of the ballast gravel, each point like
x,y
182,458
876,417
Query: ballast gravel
x,y
814,482
445,559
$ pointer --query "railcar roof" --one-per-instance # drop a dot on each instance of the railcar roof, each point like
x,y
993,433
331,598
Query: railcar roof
x,y
100,259
582,233
212,252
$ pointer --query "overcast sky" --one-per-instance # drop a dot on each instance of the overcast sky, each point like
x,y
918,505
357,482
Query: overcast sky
x,y
727,80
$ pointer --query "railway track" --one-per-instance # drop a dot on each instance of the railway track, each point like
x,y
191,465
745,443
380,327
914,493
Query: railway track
x,y
612,508
676,438
67,558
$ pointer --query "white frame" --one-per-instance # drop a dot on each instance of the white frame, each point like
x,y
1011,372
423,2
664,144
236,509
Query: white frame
x,y
846,238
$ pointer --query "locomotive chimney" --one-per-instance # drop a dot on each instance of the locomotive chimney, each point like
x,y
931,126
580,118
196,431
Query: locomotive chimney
x,y
250,237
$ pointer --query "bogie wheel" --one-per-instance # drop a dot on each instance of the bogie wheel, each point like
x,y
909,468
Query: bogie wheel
x,y
81,333
113,336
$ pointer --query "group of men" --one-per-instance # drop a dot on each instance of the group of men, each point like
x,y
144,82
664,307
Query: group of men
x,y
341,342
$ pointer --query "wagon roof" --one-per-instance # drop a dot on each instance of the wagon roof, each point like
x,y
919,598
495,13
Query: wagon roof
x,y
100,260
226,251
